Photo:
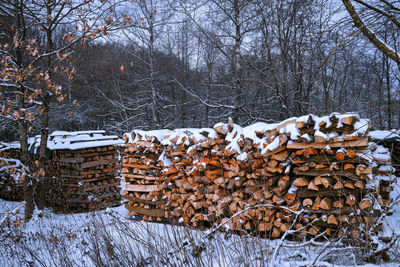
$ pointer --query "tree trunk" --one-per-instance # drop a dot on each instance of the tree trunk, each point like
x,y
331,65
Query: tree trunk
x,y
237,65
22,125
155,113
44,131
389,97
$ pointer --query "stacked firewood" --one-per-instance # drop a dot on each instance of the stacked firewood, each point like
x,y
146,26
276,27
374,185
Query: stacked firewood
x,y
341,179
390,140
84,166
316,175
207,181
141,172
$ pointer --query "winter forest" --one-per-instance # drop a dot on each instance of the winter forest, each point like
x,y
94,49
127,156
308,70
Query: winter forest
x,y
199,133
119,65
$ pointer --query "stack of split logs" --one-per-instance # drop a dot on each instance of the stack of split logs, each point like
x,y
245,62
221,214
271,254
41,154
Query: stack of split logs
x,y
84,167
342,181
141,172
313,175
390,140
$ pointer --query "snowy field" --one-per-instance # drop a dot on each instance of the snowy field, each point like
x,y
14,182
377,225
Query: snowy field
x,y
110,238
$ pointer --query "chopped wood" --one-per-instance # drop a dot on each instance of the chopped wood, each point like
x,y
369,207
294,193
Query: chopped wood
x,y
84,179
276,232
351,200
142,188
338,204
348,120
326,203
210,183
146,211
307,202
301,181
340,156
348,166
280,156
316,203
365,204
327,181
310,151
349,184
332,219
312,186
357,143
320,139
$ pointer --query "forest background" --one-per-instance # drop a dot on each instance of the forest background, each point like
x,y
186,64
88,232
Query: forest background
x,y
123,65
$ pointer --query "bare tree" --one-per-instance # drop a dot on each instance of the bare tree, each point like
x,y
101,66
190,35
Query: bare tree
x,y
38,54
374,18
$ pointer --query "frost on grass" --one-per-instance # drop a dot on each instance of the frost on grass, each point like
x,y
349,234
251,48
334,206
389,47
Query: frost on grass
x,y
110,238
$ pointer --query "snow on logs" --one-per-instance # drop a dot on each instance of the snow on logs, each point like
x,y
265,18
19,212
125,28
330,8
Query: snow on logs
x,y
319,175
390,140
85,166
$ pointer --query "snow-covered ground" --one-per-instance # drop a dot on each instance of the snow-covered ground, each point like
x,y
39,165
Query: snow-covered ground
x,y
110,238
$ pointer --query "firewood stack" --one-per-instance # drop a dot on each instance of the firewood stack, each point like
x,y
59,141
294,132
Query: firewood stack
x,y
338,174
141,171
263,174
390,140
84,165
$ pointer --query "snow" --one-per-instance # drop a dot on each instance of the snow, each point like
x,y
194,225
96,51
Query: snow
x,y
166,161
75,140
138,135
292,189
292,130
50,239
386,168
8,164
242,157
306,137
272,146
321,134
381,153
305,118
362,126
259,133
156,242
381,135
61,133
7,146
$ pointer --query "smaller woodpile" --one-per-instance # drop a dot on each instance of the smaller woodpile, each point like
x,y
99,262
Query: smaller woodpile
x,y
316,175
84,168
390,140
12,172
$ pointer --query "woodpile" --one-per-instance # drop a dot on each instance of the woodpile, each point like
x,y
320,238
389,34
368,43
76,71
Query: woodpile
x,y
390,140
12,172
83,171
316,175
141,172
